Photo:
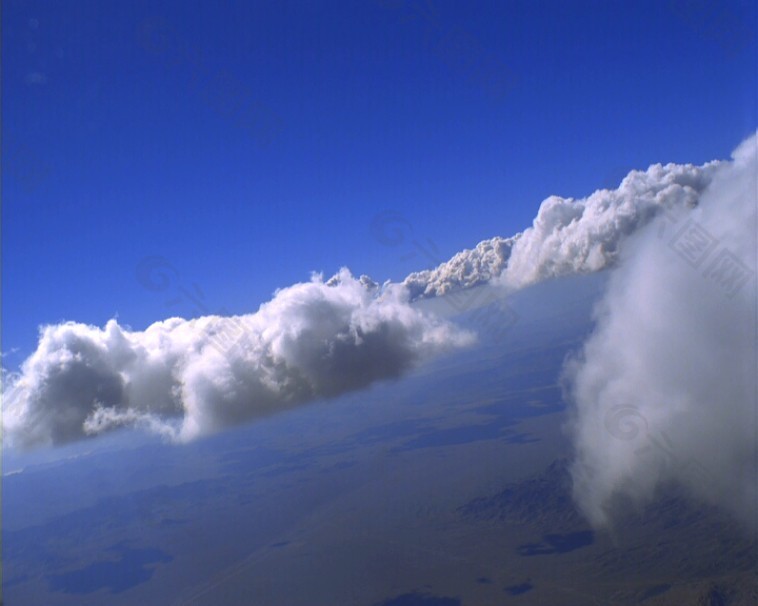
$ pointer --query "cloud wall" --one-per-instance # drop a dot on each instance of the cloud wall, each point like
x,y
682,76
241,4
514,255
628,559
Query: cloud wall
x,y
664,391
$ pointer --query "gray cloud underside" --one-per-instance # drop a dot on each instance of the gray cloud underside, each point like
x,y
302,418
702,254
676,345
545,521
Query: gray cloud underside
x,y
664,391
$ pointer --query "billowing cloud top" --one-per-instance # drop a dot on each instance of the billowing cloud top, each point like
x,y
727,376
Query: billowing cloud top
x,y
570,236
185,378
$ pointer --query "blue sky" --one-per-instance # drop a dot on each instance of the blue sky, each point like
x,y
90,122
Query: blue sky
x,y
251,143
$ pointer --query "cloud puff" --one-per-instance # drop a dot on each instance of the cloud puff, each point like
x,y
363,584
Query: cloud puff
x,y
466,269
664,391
184,378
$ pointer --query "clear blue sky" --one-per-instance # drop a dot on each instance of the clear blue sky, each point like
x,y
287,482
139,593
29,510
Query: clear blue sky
x,y
251,142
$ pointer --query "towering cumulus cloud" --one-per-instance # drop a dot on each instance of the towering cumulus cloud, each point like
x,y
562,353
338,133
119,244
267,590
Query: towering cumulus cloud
x,y
184,378
665,389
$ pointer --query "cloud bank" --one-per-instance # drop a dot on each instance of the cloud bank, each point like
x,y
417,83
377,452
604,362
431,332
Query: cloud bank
x,y
185,378
664,391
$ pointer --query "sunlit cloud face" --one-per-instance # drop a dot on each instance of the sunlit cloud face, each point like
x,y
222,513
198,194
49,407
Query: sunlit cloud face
x,y
581,236
664,390
185,378
569,236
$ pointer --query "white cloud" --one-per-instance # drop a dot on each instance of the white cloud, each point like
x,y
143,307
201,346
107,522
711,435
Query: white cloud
x,y
184,378
664,390
580,236
180,378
